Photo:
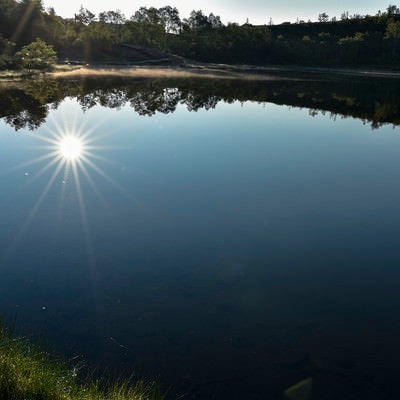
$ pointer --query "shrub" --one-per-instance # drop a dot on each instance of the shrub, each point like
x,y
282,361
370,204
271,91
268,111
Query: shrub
x,y
36,55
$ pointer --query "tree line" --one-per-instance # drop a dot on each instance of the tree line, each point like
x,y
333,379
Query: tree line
x,y
349,40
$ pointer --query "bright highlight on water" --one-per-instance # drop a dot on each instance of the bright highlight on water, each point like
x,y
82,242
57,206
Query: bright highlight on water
x,y
71,148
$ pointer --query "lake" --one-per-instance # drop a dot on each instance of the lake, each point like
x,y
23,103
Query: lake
x,y
227,238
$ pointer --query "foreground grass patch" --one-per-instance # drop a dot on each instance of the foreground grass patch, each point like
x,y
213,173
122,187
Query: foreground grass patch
x,y
27,373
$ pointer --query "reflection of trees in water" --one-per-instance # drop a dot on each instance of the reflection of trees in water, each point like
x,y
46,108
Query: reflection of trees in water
x,y
144,103
21,110
196,101
27,119
112,98
152,101
26,105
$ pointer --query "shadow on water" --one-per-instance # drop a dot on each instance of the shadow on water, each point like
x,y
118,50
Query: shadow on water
x,y
374,101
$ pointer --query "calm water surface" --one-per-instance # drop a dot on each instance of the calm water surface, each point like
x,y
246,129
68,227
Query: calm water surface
x,y
229,252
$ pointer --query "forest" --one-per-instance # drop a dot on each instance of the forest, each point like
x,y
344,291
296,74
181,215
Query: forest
x,y
34,37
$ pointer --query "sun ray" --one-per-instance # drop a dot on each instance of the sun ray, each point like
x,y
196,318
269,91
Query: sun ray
x,y
107,147
106,134
88,132
67,169
46,190
103,174
90,250
86,227
42,170
91,182
35,177
52,140
92,155
56,133
29,163
33,212
23,21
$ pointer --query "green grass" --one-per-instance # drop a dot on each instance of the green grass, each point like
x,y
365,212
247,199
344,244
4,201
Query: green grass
x,y
27,373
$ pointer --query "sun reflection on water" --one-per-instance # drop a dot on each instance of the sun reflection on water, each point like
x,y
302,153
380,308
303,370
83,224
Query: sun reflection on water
x,y
70,162
69,154
71,148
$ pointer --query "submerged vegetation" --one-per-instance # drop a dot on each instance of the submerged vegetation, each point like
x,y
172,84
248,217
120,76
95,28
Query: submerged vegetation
x,y
26,373
151,34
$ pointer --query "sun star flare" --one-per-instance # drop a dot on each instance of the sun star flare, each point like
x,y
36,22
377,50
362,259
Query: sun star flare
x,y
71,148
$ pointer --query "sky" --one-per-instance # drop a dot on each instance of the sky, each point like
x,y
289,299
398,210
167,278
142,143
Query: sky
x,y
257,11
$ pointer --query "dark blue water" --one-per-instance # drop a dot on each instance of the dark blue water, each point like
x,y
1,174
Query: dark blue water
x,y
229,253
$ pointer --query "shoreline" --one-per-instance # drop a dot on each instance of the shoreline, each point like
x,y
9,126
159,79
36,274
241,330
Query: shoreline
x,y
198,70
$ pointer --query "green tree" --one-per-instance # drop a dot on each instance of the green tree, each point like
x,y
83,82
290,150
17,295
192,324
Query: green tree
x,y
85,16
393,30
147,27
8,17
112,17
36,55
197,21
171,19
323,17
392,10
393,33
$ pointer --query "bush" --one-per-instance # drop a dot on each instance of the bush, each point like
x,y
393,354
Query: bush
x,y
36,55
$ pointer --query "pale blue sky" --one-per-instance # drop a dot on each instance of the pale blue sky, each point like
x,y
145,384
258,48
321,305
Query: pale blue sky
x,y
258,11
